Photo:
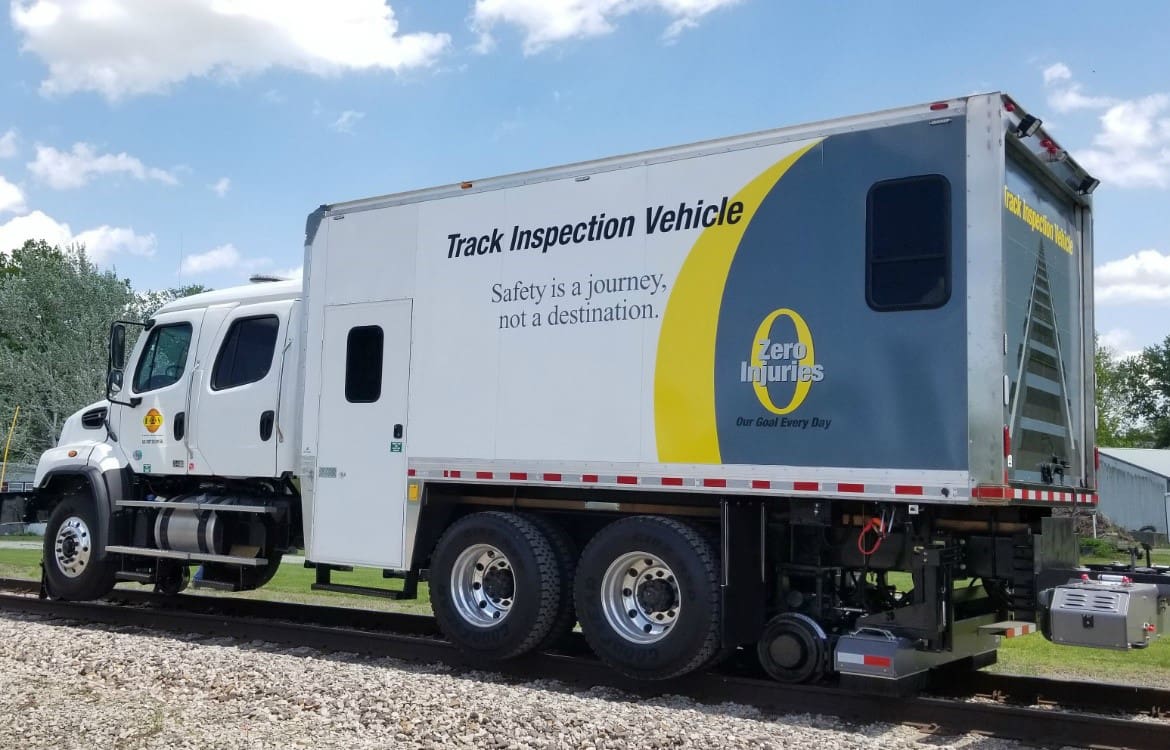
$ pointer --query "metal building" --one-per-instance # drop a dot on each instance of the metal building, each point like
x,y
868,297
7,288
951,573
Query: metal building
x,y
1134,487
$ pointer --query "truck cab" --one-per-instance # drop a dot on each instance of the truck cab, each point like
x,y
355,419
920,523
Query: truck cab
x,y
200,412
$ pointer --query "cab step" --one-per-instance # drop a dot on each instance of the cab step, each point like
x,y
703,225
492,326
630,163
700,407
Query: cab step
x,y
119,549
409,588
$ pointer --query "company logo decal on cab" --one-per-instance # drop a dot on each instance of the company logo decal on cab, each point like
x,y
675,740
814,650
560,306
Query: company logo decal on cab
x,y
152,421
776,360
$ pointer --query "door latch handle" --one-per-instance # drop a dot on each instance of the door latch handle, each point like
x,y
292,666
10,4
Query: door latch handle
x,y
180,425
397,432
266,420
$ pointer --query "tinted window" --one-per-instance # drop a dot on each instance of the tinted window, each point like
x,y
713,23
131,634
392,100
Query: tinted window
x,y
163,358
908,243
246,354
363,365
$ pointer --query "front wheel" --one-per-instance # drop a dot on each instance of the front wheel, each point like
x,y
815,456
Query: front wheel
x,y
72,569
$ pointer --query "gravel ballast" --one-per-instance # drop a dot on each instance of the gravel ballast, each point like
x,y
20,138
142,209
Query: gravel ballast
x,y
64,686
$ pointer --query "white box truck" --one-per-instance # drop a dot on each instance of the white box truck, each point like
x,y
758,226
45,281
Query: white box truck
x,y
694,399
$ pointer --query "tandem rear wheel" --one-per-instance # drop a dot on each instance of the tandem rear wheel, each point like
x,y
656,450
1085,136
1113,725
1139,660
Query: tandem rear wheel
x,y
647,595
72,568
500,584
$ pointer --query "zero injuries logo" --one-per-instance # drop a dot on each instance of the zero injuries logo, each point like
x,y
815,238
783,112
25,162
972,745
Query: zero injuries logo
x,y
777,361
152,421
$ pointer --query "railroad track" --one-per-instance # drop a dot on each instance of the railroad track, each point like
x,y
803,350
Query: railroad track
x,y
1035,710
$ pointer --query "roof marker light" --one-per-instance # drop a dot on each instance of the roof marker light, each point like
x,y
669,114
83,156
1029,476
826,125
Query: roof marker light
x,y
464,185
938,105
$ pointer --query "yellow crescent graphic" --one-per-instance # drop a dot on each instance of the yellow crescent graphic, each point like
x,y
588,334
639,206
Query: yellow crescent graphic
x,y
684,376
804,336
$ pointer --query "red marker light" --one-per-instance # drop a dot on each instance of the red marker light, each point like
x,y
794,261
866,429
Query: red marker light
x,y
938,105
1097,459
1084,576
1009,105
1126,579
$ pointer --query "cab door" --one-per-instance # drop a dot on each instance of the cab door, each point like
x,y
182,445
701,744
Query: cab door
x,y
236,392
153,422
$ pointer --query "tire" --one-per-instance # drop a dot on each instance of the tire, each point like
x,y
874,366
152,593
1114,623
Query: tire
x,y
72,570
675,600
566,557
793,648
495,585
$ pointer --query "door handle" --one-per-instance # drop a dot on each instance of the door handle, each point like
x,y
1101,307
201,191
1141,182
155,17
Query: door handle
x,y
397,432
266,420
180,425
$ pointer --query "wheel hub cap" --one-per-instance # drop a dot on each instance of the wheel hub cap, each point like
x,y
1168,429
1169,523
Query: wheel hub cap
x,y
640,597
482,585
71,547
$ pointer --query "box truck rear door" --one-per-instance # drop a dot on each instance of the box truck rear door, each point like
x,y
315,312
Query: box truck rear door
x,y
363,435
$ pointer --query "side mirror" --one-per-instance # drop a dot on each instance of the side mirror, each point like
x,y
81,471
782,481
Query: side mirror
x,y
117,347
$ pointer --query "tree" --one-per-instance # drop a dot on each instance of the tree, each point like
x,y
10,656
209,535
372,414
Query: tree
x,y
1112,421
1145,385
55,312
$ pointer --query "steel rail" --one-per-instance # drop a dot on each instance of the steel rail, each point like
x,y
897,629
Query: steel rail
x,y
268,621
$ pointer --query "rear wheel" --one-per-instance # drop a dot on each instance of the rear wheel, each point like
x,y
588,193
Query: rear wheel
x,y
72,568
566,559
495,585
647,595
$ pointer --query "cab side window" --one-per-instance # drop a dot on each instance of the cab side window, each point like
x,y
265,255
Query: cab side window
x,y
163,358
246,354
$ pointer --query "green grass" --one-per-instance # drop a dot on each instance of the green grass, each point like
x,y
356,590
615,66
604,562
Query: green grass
x,y
1035,655
20,563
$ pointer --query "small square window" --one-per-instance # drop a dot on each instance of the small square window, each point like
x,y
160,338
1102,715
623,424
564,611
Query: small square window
x,y
908,243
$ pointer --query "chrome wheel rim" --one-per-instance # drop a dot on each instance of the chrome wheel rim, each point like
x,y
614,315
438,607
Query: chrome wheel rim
x,y
71,548
483,585
640,597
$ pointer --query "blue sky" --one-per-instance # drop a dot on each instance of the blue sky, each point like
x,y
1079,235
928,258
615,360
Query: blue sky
x,y
186,140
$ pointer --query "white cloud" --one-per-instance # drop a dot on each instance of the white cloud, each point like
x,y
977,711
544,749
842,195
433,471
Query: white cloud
x,y
215,259
1132,148
546,22
345,122
122,48
8,144
1057,72
104,241
65,170
101,243
1120,342
1070,98
222,258
11,198
1141,277
221,186
1066,95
